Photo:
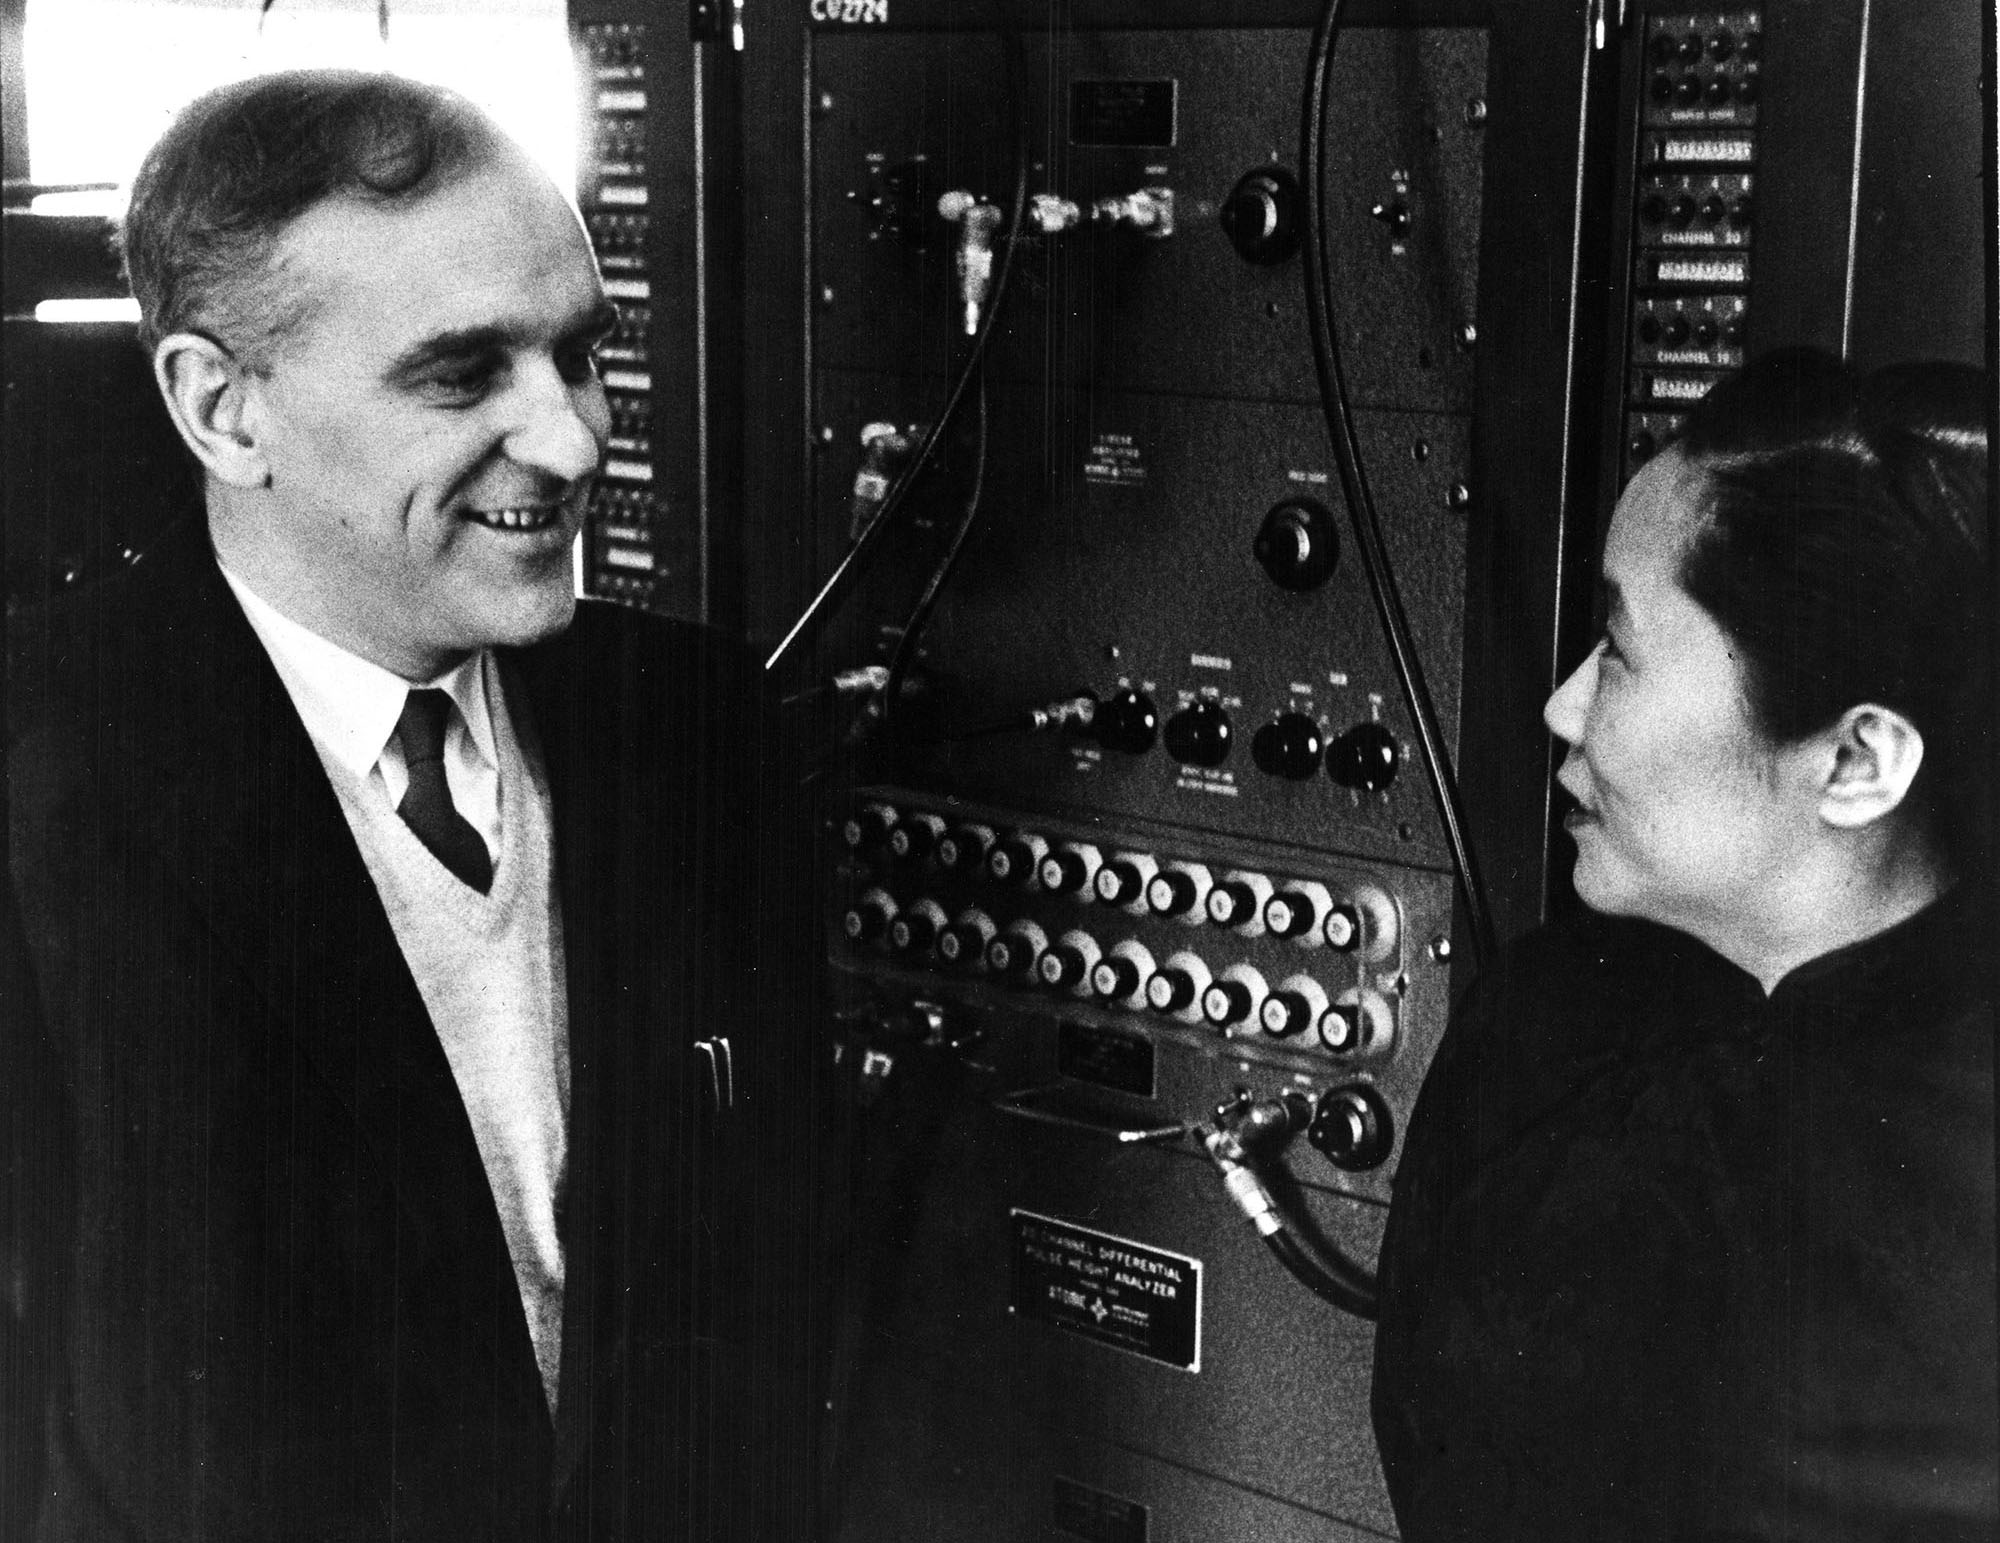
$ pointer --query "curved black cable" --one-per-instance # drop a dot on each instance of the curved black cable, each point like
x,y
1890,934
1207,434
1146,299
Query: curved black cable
x,y
906,646
1337,1281
1354,487
861,555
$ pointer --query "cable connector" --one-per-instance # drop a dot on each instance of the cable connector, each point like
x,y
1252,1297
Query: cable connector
x,y
1244,1187
976,220
1076,712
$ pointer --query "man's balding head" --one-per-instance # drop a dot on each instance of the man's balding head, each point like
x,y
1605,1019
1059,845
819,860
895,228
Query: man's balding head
x,y
239,164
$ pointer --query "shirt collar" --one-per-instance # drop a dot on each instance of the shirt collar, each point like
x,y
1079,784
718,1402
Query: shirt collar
x,y
349,704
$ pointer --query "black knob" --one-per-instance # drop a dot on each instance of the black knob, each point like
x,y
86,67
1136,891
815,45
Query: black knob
x,y
1289,746
1290,913
1662,89
1652,209
1746,90
1128,722
1717,92
1677,331
964,848
1065,872
1681,215
1705,332
1342,928
1734,332
1641,445
1687,91
1298,544
1172,893
1119,882
1262,216
1753,45
1712,209
1690,48
1366,757
867,828
1352,1127
1739,211
1170,990
1199,734
1226,1002
1721,46
869,917
962,943
1115,978
913,932
1285,1013
1340,1028
1012,954
1649,328
1012,861
1232,903
913,840
1665,46
1062,966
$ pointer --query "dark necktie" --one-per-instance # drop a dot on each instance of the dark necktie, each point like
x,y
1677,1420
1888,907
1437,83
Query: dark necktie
x,y
427,807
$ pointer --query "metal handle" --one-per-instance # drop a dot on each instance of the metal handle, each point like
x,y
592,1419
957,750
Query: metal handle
x,y
1027,1104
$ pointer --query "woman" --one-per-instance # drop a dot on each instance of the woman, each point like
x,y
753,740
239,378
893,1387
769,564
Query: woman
x,y
1693,1233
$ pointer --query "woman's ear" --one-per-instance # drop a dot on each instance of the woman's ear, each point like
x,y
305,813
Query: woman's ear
x,y
1875,753
207,391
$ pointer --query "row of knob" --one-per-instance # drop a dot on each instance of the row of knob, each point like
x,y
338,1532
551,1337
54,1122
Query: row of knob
x,y
1235,1001
1365,757
1363,920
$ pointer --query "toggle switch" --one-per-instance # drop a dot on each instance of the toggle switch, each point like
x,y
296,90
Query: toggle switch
x,y
976,220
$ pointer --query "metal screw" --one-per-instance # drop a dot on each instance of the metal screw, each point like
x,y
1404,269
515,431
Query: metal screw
x,y
1458,496
1441,948
825,102
1468,334
1475,111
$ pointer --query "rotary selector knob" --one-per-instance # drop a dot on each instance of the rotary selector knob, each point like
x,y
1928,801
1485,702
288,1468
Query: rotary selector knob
x,y
1298,544
1120,976
914,931
963,943
1232,998
1016,860
1293,1008
1176,892
1177,986
868,918
1238,901
1069,871
1122,881
1013,953
964,848
915,837
1290,913
1067,965
1359,1023
1263,216
1289,746
1351,1126
1128,721
868,828
1199,734
1365,758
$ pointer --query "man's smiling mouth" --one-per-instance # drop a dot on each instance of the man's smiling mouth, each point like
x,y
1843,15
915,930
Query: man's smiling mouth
x,y
524,517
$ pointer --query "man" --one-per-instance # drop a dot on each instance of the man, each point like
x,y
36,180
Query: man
x,y
376,915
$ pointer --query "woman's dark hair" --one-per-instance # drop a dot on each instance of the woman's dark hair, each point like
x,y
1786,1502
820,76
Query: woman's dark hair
x,y
242,162
1843,551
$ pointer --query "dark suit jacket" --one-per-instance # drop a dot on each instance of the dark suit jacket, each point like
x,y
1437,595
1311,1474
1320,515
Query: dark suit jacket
x,y
277,1286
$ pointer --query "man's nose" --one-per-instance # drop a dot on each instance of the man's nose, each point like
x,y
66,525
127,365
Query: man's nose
x,y
1565,710
559,426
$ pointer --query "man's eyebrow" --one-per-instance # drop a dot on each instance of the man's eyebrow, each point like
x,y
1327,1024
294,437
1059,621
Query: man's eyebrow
x,y
467,342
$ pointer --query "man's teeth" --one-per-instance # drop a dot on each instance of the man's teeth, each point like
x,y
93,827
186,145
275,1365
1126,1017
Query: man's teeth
x,y
517,519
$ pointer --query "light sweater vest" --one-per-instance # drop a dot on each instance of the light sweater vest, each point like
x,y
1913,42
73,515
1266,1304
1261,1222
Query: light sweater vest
x,y
490,971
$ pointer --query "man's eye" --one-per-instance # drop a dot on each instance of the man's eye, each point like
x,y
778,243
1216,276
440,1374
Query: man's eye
x,y
465,382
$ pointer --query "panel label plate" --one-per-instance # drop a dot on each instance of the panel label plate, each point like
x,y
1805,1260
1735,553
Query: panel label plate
x,y
1096,1516
1121,1293
1105,1057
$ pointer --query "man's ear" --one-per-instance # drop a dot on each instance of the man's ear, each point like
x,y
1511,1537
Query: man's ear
x,y
1875,753
207,390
